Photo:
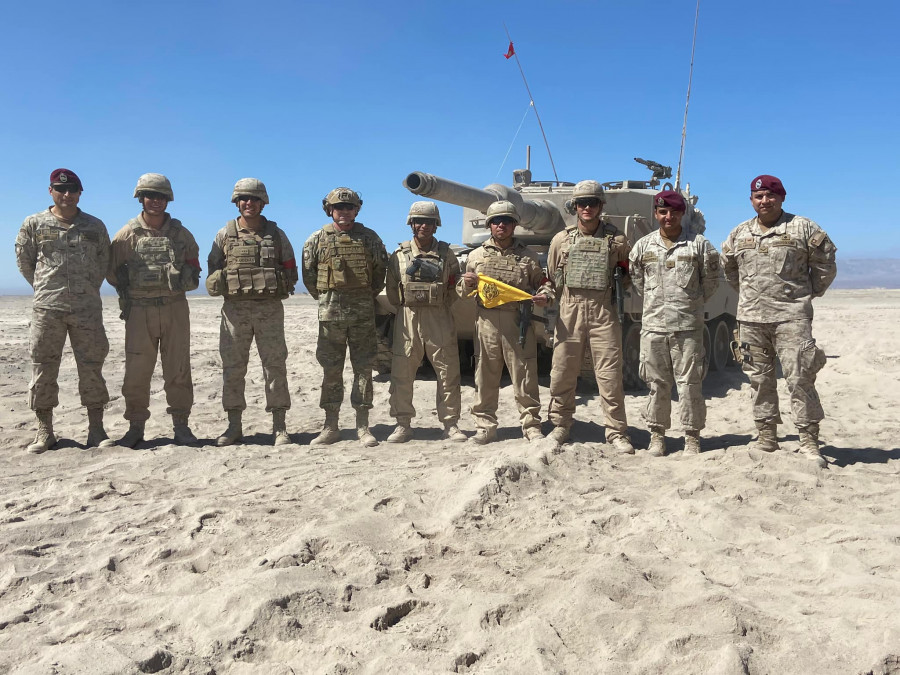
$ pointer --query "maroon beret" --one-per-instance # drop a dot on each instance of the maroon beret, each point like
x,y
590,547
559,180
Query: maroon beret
x,y
767,182
671,199
65,177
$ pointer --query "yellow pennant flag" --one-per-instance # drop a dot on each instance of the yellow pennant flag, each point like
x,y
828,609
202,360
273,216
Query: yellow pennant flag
x,y
494,293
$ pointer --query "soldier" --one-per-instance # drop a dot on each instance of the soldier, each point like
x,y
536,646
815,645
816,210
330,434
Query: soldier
x,y
154,260
63,253
582,261
676,271
779,262
506,259
344,265
421,281
252,264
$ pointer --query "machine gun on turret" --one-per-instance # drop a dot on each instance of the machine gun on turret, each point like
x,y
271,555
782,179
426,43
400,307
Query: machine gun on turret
x,y
660,171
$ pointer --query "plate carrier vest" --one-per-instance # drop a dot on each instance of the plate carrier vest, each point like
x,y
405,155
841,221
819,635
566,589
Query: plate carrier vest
x,y
343,262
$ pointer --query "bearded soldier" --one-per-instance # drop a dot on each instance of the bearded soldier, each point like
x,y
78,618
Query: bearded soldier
x,y
252,265
504,258
582,261
63,253
154,261
676,271
421,281
779,262
344,264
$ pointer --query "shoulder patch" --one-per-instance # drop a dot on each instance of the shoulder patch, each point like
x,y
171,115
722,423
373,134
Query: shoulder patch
x,y
817,238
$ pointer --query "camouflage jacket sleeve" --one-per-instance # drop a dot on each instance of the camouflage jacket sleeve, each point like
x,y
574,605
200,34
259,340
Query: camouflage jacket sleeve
x,y
709,268
310,264
216,259
26,251
190,270
393,279
103,252
119,250
822,263
288,262
729,261
636,266
379,264
451,267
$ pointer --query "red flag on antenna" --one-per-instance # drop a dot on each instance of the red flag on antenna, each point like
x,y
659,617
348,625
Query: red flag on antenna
x,y
510,51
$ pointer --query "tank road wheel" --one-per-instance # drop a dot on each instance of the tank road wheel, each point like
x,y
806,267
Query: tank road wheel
x,y
631,356
720,356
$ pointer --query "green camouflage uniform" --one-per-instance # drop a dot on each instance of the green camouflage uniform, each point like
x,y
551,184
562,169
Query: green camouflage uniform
x,y
344,271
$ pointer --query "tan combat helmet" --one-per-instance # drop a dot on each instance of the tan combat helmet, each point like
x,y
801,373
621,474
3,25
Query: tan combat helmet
x,y
154,182
252,187
427,210
585,189
501,208
341,195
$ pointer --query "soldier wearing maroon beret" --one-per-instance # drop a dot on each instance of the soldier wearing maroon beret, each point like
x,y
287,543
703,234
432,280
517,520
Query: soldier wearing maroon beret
x,y
779,262
63,252
676,270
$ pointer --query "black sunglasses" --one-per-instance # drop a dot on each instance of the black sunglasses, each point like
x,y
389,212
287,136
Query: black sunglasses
x,y
503,220
66,189
587,203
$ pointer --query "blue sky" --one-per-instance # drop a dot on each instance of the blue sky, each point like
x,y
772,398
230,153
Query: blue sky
x,y
309,96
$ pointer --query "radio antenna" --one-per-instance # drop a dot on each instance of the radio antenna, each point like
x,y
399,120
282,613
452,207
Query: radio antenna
x,y
687,101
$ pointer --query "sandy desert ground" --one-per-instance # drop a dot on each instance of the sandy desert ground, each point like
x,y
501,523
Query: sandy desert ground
x,y
440,557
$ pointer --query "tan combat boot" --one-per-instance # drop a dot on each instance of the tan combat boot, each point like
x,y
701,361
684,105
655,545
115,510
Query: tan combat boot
x,y
623,445
96,433
484,436
181,430
657,443
692,442
280,435
809,444
330,432
533,434
133,436
559,435
234,432
402,433
767,440
44,439
362,429
452,433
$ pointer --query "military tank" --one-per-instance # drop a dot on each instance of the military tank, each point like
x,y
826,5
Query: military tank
x,y
543,208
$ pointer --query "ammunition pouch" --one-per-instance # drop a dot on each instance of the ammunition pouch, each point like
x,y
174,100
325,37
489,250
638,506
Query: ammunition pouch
x,y
422,294
215,283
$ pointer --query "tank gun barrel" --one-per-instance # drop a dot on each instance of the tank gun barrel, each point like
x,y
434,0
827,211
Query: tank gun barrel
x,y
541,217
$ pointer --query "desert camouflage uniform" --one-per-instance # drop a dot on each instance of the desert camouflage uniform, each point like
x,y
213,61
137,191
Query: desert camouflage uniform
x,y
158,319
674,282
497,334
65,266
259,315
424,325
346,308
777,274
588,320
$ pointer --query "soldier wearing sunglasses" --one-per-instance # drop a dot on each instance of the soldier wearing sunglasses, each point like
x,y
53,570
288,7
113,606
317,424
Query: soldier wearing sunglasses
x,y
63,253
582,261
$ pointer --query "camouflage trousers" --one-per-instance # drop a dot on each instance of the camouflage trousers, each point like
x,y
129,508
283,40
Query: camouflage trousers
x,y
418,332
496,343
242,320
335,337
674,359
800,358
87,337
585,324
164,330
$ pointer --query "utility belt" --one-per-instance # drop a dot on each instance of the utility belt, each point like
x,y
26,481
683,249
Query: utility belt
x,y
156,302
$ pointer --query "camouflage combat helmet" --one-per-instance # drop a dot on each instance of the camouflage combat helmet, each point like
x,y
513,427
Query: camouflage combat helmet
x,y
154,182
252,187
588,188
501,208
424,210
341,195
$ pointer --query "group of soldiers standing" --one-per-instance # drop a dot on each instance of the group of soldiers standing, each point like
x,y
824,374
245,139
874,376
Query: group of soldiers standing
x,y
776,260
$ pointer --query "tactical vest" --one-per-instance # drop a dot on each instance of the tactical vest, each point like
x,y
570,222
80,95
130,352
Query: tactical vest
x,y
503,268
424,287
251,264
343,263
149,265
587,264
